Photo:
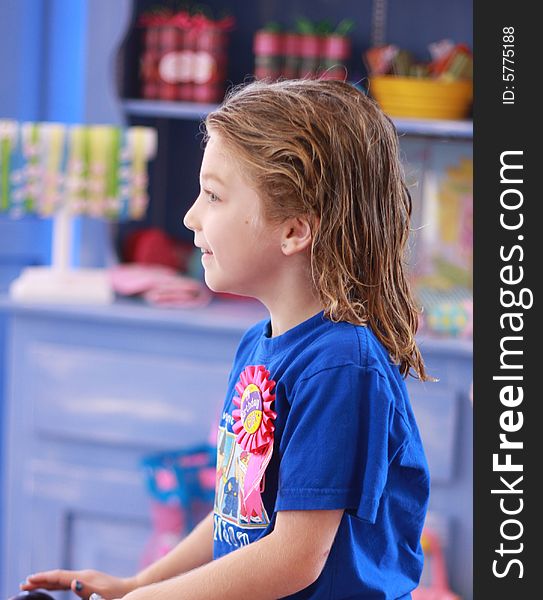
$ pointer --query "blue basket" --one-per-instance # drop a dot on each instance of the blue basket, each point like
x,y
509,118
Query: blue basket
x,y
186,477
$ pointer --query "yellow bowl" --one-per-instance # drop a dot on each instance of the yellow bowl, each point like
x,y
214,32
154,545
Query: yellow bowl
x,y
417,98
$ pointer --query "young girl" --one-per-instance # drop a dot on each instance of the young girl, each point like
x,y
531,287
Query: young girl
x,y
324,484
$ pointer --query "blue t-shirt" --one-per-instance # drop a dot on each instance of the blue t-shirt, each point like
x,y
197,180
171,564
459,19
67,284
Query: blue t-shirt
x,y
345,438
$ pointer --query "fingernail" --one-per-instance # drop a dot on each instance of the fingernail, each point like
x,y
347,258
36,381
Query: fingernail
x,y
78,586
23,583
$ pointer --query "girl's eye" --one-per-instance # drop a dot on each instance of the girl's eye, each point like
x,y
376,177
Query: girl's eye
x,y
212,197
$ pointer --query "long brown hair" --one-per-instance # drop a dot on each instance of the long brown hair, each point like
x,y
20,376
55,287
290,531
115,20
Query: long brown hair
x,y
326,150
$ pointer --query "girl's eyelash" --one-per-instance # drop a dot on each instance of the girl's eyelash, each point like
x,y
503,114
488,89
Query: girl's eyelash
x,y
211,196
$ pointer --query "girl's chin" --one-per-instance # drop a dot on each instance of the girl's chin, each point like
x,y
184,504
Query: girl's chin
x,y
213,284
224,290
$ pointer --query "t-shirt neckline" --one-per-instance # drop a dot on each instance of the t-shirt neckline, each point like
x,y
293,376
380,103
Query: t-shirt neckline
x,y
273,344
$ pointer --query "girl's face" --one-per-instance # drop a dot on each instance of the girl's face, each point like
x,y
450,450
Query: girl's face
x,y
241,249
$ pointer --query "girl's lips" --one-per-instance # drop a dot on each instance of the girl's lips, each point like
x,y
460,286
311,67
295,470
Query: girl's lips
x,y
206,254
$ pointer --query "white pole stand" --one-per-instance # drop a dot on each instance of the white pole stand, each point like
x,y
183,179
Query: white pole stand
x,y
60,283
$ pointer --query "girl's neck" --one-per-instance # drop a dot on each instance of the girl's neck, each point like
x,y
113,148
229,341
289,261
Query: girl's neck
x,y
283,320
293,301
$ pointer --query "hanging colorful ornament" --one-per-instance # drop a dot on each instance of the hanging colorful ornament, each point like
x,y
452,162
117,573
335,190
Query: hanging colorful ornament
x,y
77,169
8,143
254,429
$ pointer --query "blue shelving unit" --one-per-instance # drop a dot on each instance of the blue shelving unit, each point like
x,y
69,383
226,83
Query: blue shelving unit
x,y
190,110
435,128
165,109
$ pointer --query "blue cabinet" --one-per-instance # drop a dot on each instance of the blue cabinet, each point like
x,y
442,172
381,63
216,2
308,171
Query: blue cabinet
x,y
90,394
92,391
445,417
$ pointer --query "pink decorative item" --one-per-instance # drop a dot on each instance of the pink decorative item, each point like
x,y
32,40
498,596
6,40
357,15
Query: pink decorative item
x,y
130,279
181,484
336,51
268,48
254,429
439,586
168,522
178,292
160,286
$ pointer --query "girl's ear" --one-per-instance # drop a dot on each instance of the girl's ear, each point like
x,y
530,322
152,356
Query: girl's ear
x,y
297,235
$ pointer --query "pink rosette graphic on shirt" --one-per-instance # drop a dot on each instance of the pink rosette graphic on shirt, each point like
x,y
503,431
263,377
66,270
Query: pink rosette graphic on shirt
x,y
253,426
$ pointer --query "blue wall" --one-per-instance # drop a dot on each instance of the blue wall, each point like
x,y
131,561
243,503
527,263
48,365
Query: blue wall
x,y
40,61
43,53
21,56
56,65
63,77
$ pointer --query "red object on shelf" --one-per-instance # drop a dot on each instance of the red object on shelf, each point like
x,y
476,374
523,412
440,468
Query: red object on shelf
x,y
291,65
185,85
170,62
184,57
151,25
439,66
335,52
439,586
209,67
149,64
152,246
378,59
310,53
268,48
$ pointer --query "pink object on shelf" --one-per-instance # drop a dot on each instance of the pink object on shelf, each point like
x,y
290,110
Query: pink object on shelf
x,y
133,278
158,285
208,477
168,529
439,586
166,480
182,292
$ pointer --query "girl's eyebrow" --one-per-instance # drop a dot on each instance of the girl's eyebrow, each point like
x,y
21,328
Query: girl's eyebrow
x,y
206,176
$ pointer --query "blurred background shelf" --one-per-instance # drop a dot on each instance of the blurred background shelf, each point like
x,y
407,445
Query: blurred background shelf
x,y
191,110
166,109
435,128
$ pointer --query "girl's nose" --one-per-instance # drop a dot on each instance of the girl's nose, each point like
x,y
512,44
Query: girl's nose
x,y
190,220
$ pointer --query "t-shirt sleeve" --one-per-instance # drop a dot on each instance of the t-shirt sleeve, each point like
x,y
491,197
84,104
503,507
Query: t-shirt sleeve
x,y
337,444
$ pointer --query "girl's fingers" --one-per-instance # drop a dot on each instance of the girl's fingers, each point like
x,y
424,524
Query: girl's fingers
x,y
49,580
28,587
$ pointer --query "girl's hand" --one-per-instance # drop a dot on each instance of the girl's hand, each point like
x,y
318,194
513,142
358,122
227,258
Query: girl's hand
x,y
82,583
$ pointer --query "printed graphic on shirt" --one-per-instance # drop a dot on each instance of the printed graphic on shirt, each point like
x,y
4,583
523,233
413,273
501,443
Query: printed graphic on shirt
x,y
232,463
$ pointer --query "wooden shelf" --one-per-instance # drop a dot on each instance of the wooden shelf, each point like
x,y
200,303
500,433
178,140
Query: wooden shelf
x,y
192,110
